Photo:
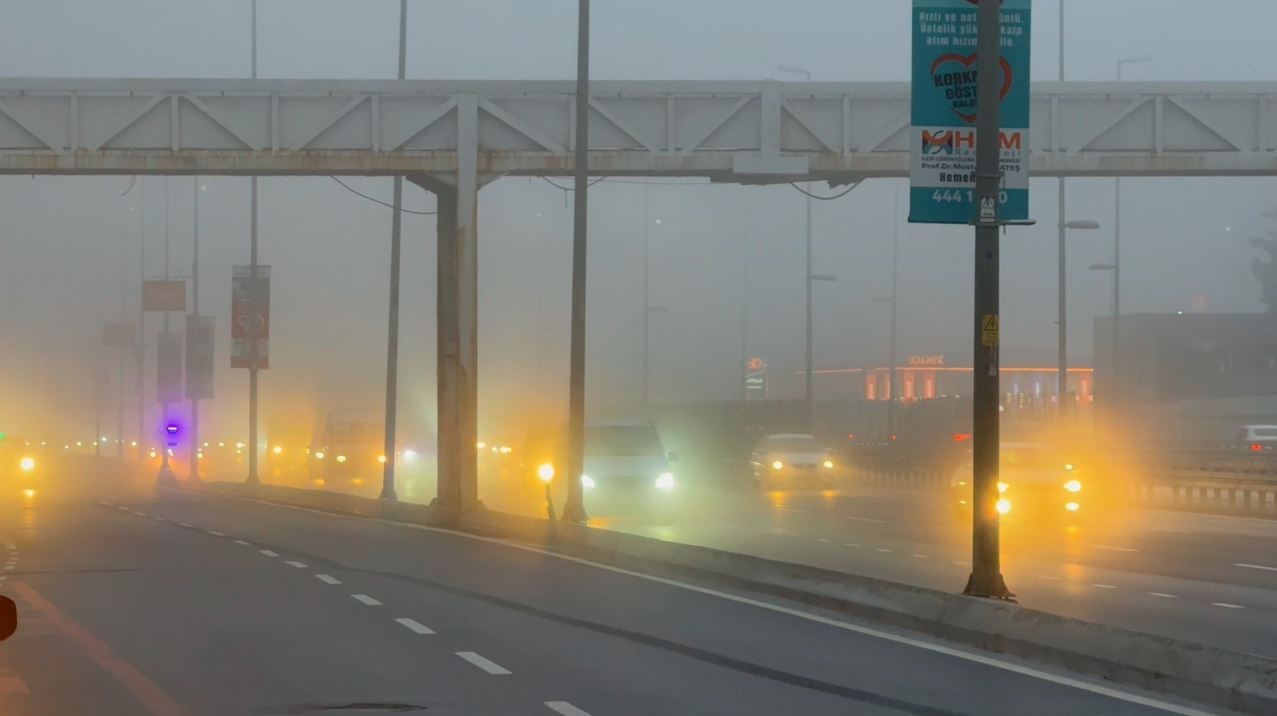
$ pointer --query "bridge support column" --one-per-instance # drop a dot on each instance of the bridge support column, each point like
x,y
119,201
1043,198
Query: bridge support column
x,y
457,325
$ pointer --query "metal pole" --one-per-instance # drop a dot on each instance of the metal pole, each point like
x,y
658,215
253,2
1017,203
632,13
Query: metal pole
x,y
1117,297
892,406
808,368
253,478
744,317
1062,375
986,575
140,349
574,506
195,310
392,330
166,471
119,383
647,301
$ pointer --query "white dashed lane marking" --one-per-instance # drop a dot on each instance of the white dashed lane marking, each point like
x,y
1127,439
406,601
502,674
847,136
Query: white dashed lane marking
x,y
186,525
564,708
848,544
1162,595
1104,586
365,600
415,626
919,556
1226,605
327,579
1260,567
483,663
242,543
884,550
294,563
268,553
215,533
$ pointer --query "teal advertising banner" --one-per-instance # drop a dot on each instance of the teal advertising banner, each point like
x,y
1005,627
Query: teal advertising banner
x,y
944,111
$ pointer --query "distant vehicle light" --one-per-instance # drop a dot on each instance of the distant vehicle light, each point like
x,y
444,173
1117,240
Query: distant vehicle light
x,y
481,445
1073,486
1072,507
961,437
319,455
221,444
1069,467
587,482
171,429
199,455
1254,447
665,481
278,449
778,465
239,446
27,464
545,472
29,493
341,458
153,453
381,459
829,464
506,449
1003,506
409,455
1003,487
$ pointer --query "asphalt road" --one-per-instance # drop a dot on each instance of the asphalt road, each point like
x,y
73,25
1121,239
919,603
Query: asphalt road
x,y
137,604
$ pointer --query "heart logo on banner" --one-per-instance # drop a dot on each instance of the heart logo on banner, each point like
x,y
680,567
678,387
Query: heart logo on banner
x,y
953,74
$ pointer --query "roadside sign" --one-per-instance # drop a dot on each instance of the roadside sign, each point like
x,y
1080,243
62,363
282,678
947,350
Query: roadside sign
x,y
755,379
250,314
944,113
199,357
118,335
168,367
163,295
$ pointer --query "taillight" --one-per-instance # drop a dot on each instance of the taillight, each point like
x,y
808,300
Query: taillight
x,y
961,437
1256,447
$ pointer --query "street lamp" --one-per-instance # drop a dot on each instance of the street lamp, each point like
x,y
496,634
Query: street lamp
x,y
807,394
1062,377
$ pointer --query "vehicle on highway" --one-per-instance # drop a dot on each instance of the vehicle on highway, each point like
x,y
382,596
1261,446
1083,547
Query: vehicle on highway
x,y
1035,481
20,467
1258,438
792,460
627,467
350,449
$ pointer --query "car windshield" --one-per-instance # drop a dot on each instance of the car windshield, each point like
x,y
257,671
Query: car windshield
x,y
794,443
1265,432
622,441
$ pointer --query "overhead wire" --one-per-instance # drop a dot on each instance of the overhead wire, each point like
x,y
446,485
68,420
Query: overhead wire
x,y
375,200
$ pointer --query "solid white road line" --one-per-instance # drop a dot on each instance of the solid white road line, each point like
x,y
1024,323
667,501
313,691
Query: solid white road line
x,y
565,708
268,553
848,544
866,519
215,533
242,543
883,550
1226,605
919,556
327,579
917,643
1104,586
483,663
1162,595
1256,566
186,525
294,563
365,600
415,626
822,540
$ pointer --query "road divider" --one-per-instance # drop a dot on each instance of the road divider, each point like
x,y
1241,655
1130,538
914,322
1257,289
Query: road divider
x,y
1244,682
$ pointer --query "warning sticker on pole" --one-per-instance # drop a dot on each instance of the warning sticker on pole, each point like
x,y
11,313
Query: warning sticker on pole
x,y
989,331
944,111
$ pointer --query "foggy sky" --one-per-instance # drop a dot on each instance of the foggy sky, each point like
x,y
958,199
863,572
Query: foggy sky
x,y
64,241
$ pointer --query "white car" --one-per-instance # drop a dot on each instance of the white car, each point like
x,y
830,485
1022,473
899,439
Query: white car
x,y
792,460
1258,438
626,466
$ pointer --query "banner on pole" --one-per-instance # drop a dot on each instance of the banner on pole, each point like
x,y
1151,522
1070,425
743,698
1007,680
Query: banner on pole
x,y
199,357
168,367
118,335
755,379
163,295
250,316
944,112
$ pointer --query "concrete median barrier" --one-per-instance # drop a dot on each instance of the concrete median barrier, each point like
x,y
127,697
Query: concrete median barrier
x,y
1221,677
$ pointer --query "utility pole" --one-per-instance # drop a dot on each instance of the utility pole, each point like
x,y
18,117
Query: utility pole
x,y
253,479
1062,375
166,471
647,300
808,370
892,405
119,389
392,330
986,575
195,310
574,505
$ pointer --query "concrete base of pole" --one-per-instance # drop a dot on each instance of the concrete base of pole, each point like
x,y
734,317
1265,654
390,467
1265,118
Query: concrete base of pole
x,y
388,495
990,586
166,478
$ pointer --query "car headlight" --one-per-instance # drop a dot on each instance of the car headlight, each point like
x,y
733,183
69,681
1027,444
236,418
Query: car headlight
x,y
1073,485
778,465
1003,506
1072,507
319,455
27,464
545,472
829,464
587,482
341,458
1003,487
665,481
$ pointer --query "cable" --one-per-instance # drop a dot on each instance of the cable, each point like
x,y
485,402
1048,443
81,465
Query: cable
x,y
375,200
568,188
825,198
